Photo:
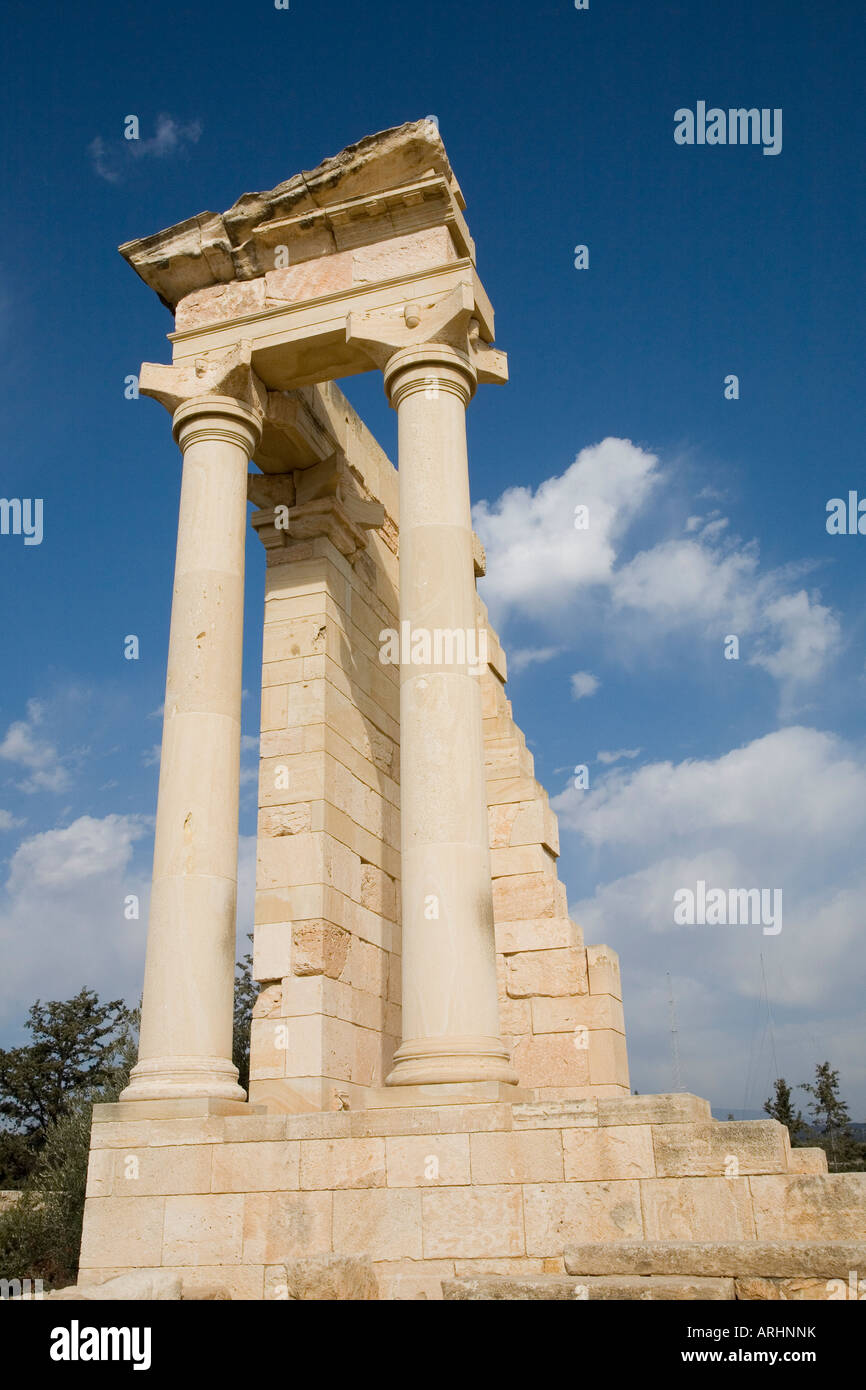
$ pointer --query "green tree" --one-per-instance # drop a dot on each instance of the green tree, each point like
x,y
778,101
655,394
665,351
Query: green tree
x,y
780,1107
831,1118
76,1048
246,993
40,1236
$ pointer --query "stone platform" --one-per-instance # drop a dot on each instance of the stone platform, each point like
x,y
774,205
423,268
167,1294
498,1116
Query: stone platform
x,y
463,1191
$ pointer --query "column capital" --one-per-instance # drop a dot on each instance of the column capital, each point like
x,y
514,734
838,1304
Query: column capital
x,y
219,418
420,334
222,385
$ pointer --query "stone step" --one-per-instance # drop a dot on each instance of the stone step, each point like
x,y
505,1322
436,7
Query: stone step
x,y
558,1287
780,1259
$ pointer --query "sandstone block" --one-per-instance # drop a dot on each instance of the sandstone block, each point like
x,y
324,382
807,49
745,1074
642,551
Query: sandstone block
x,y
560,1214
831,1206
203,1230
555,973
600,1155
603,966
537,934
518,1157
697,1209
551,1059
428,1160
283,1226
342,1163
469,1222
123,1231
319,948
734,1148
266,1166
567,1012
678,1107
384,1223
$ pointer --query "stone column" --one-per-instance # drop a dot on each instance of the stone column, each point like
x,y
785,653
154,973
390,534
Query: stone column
x,y
450,999
186,1025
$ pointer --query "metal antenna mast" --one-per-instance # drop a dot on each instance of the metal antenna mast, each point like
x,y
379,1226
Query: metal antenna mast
x,y
675,1042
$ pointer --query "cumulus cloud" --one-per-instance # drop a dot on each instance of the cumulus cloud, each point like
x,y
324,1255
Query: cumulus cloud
x,y
786,811
522,657
26,745
687,578
62,922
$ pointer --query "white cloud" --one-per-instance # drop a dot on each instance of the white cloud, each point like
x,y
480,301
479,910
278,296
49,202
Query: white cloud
x,y
522,657
705,585
617,755
786,811
112,159
584,683
25,745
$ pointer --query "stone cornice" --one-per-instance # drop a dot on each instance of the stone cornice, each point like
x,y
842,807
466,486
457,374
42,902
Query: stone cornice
x,y
212,248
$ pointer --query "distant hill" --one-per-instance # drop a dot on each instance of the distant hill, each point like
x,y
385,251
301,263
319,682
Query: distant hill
x,y
857,1128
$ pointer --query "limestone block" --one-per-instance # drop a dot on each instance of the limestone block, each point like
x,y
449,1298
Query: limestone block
x,y
608,1059
269,1040
724,1259
254,1129
674,1108
459,1118
469,1222
275,706
551,1059
203,1230
603,967
342,1163
599,1155
536,934
384,1223
331,1278
735,1147
518,1157
522,859
162,1170
555,1114
403,255
560,1214
423,1281
319,948
432,1160
282,673
697,1209
523,896
122,1231
272,950
285,820
807,1161
556,972
283,1226
367,968
266,1166
377,892
140,1285
100,1175
831,1206
515,1016
234,1282
557,1287
568,1012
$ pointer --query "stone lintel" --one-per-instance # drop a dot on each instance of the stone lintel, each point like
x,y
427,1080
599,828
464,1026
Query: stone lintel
x,y
305,343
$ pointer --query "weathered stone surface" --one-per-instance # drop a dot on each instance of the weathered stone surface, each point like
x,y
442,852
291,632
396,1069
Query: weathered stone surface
x,y
624,1151
144,1285
810,1207
319,948
697,1208
558,1214
340,1278
724,1259
653,1110
734,1148
559,1288
472,1222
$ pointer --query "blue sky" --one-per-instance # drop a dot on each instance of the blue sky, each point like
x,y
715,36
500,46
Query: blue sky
x,y
704,261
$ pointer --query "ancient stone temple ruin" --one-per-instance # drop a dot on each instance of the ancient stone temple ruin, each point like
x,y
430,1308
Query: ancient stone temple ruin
x,y
438,1060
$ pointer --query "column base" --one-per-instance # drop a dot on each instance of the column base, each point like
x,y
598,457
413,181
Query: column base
x,y
183,1078
438,1061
